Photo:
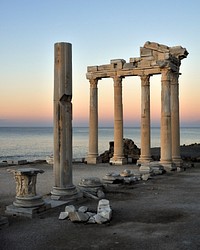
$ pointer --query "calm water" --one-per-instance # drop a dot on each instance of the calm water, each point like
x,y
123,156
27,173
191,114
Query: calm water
x,y
37,143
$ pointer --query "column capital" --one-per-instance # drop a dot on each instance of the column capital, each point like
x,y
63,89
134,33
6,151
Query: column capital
x,y
93,82
166,74
145,79
117,80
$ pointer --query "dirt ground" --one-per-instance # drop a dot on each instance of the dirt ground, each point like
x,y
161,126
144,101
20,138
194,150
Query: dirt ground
x,y
161,213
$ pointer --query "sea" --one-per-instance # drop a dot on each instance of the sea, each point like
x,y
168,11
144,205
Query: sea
x,y
36,143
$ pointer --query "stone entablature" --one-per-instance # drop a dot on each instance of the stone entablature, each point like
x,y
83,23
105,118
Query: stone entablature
x,y
153,58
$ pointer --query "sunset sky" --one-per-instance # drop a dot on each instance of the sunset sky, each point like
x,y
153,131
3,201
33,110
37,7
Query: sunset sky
x,y
99,31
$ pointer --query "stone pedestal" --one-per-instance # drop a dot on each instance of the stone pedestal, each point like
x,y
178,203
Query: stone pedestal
x,y
27,202
64,188
26,188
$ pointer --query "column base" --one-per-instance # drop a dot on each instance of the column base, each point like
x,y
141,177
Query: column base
x,y
69,193
118,161
93,160
168,165
144,160
28,202
145,169
178,162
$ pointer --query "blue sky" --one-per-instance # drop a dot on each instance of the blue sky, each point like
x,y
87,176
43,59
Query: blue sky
x,y
99,31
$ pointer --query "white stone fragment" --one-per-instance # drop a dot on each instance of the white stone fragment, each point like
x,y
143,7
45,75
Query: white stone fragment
x,y
83,209
78,216
63,215
90,214
106,213
99,219
91,220
70,208
145,177
103,204
100,194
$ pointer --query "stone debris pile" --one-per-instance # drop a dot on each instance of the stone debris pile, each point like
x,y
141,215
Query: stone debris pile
x,y
83,214
91,187
125,177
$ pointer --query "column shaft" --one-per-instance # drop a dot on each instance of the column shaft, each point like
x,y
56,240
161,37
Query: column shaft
x,y
92,157
166,141
145,155
63,121
118,157
175,123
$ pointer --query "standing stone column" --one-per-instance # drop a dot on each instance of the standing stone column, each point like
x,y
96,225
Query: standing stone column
x,y
118,157
166,139
63,122
175,123
92,157
145,156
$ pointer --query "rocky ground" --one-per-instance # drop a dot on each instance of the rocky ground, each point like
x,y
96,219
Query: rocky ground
x,y
160,213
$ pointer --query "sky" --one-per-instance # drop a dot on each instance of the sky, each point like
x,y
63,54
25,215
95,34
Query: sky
x,y
98,31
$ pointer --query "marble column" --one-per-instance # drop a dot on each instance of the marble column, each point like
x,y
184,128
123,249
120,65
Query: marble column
x,y
175,123
64,187
118,157
145,156
92,157
166,139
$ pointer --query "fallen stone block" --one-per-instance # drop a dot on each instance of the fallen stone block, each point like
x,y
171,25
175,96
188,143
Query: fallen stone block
x,y
83,209
70,208
63,215
99,219
106,213
103,204
145,177
78,216
91,220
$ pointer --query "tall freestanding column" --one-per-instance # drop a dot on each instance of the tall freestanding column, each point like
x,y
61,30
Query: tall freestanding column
x,y
63,122
118,157
92,157
145,155
175,123
166,140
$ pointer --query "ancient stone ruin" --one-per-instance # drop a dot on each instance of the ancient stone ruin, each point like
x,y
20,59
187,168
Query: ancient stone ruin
x,y
154,59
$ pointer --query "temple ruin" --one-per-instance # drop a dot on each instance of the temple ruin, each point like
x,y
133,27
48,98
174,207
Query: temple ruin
x,y
154,59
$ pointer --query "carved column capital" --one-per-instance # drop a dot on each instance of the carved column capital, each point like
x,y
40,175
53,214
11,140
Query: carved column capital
x,y
166,74
145,80
117,81
93,82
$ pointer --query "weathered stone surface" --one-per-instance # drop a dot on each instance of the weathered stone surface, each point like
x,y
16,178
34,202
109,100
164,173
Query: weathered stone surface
x,y
63,215
145,177
83,209
99,219
91,220
131,151
78,216
70,208
126,173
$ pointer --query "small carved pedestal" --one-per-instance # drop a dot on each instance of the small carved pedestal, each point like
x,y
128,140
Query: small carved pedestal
x,y
27,202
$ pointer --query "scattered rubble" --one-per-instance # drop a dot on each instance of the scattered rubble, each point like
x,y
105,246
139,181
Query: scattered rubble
x,y
92,188
131,151
103,215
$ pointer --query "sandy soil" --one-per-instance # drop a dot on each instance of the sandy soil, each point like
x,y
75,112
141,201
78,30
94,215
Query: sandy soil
x,y
161,213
